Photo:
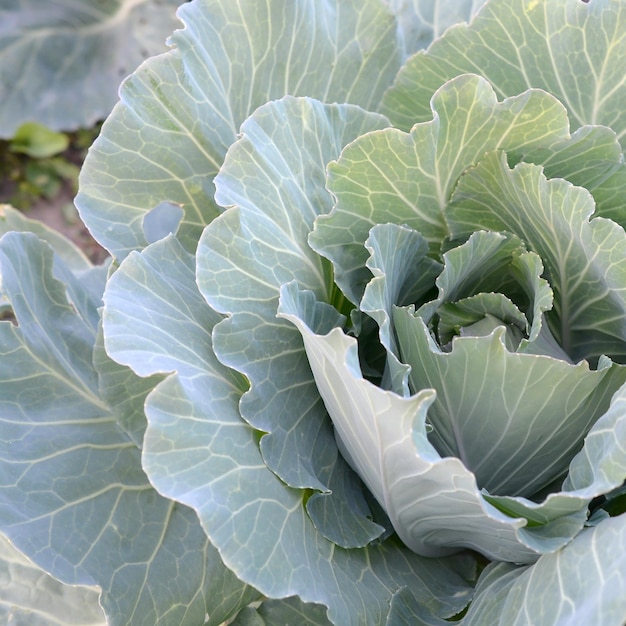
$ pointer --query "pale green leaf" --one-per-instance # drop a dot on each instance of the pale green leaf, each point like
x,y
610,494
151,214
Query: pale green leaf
x,y
486,275
598,469
37,141
515,420
61,63
574,50
181,111
583,255
408,178
30,597
590,158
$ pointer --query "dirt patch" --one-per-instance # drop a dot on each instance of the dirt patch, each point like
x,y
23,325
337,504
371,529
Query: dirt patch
x,y
45,189
61,214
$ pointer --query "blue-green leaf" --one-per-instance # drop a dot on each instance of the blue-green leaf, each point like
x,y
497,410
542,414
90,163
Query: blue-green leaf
x,y
288,611
179,112
96,519
583,583
30,597
11,219
199,451
422,21
273,179
574,50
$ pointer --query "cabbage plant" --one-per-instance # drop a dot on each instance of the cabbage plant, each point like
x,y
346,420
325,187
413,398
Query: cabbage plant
x,y
359,356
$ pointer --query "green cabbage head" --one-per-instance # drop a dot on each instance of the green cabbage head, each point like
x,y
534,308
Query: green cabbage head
x,y
361,357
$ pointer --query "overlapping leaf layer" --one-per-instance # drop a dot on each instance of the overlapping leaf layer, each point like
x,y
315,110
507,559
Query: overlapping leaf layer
x,y
364,327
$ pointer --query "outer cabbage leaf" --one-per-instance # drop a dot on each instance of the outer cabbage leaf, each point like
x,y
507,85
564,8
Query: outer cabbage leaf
x,y
434,503
392,176
61,63
95,519
123,391
30,597
574,50
74,258
199,451
181,111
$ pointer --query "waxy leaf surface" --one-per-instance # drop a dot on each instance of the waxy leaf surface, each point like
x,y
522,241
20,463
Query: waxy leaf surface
x,y
199,451
181,111
573,50
98,521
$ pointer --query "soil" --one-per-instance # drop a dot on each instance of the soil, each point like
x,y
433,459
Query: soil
x,y
58,212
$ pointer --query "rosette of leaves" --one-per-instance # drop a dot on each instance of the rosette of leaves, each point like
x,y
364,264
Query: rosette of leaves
x,y
349,369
